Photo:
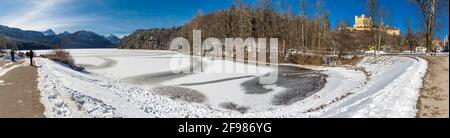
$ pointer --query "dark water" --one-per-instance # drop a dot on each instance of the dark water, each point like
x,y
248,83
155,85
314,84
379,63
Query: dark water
x,y
181,93
299,82
155,78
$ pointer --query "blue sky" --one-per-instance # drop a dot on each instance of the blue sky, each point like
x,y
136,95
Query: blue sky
x,y
121,17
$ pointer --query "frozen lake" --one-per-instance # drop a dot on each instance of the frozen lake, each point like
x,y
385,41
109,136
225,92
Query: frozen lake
x,y
140,83
241,91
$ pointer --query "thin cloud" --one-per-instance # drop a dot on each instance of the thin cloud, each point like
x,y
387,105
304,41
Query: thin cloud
x,y
44,14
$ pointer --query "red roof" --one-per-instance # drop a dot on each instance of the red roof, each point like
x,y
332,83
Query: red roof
x,y
392,29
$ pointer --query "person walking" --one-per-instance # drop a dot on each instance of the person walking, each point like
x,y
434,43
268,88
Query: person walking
x,y
12,55
31,55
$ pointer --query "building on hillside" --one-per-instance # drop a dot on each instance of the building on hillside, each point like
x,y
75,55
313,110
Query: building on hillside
x,y
363,23
421,49
392,31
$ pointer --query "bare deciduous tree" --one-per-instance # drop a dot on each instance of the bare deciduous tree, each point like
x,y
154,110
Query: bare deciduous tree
x,y
429,10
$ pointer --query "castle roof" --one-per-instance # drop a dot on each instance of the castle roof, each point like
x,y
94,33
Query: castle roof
x,y
392,28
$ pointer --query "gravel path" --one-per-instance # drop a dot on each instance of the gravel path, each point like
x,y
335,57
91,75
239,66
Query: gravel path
x,y
2,63
433,100
19,95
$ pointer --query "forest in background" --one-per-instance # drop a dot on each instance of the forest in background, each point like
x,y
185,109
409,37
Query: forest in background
x,y
309,35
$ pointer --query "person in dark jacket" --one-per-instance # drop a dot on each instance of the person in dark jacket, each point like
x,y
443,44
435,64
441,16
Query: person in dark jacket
x,y
31,55
12,55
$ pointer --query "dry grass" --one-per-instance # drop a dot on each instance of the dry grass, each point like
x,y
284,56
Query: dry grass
x,y
60,55
305,60
21,54
318,60
64,57
352,61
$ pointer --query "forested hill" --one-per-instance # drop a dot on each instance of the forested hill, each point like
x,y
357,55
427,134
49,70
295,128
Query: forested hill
x,y
239,20
23,39
294,30
156,39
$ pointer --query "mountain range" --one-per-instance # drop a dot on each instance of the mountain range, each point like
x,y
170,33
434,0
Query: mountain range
x,y
25,39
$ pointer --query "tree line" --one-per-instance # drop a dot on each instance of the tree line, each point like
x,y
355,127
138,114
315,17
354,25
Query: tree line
x,y
294,30
262,20
306,31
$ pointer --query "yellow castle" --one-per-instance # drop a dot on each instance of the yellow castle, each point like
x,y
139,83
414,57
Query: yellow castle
x,y
363,23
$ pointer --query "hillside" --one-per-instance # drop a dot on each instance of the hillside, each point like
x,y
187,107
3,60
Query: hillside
x,y
24,39
84,39
295,32
157,39
244,21
48,32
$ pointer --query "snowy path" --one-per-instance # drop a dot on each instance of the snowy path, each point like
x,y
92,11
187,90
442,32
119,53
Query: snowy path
x,y
390,93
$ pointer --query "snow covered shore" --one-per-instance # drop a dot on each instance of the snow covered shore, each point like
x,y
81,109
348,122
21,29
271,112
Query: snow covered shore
x,y
389,88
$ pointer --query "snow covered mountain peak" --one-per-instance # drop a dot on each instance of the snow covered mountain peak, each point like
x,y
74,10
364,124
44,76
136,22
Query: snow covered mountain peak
x,y
113,39
48,32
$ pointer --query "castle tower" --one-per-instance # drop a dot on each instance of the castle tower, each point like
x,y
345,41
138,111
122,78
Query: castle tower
x,y
363,22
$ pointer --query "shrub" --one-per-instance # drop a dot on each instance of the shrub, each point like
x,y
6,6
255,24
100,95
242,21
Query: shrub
x,y
21,54
63,56
60,55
